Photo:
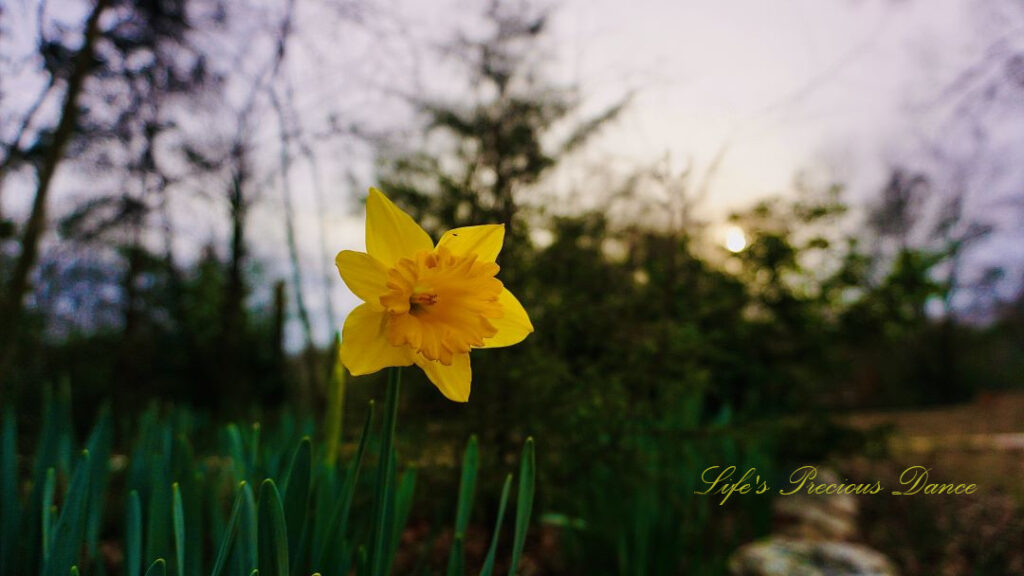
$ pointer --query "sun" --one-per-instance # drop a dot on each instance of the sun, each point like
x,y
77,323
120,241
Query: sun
x,y
735,239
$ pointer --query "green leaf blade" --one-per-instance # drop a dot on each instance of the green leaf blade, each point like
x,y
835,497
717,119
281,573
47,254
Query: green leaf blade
x,y
178,515
296,498
273,536
464,506
229,533
157,568
492,551
70,529
524,503
133,536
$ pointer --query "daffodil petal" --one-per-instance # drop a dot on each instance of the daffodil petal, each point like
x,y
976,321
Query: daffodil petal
x,y
364,345
513,327
485,241
390,233
363,274
453,381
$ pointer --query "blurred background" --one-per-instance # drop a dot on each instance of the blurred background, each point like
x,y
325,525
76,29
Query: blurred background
x,y
748,234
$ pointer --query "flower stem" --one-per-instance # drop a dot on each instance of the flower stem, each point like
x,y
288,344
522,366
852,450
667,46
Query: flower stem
x,y
335,406
385,476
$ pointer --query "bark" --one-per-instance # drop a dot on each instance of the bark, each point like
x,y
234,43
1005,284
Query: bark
x,y
309,354
14,154
127,362
232,313
12,307
277,333
326,269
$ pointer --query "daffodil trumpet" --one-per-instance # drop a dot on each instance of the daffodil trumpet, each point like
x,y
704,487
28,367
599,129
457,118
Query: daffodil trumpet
x,y
426,304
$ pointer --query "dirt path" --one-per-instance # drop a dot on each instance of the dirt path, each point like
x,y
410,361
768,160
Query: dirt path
x,y
981,442
991,414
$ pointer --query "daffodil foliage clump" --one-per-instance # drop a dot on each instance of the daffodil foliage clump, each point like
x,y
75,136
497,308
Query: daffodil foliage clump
x,y
266,501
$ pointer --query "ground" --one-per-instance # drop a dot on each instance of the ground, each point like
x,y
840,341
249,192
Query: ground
x,y
981,442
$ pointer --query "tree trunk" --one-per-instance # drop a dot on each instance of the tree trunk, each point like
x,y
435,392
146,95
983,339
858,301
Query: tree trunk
x,y
277,330
233,303
312,382
128,358
12,306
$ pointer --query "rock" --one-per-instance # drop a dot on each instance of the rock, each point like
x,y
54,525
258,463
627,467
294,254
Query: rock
x,y
817,517
811,538
781,556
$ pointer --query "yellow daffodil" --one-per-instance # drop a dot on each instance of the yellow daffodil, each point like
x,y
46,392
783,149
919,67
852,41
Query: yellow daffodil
x,y
424,304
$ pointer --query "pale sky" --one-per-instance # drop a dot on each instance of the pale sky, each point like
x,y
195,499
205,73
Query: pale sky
x,y
787,85
837,89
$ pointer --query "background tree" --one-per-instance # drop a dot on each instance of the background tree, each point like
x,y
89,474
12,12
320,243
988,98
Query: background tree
x,y
49,154
480,162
